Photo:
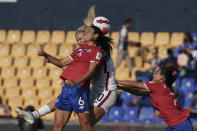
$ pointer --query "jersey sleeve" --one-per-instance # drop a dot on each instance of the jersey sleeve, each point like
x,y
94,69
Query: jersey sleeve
x,y
149,86
96,56
73,55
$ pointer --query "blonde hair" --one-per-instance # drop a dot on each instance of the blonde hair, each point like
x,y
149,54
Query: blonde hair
x,y
81,28
89,19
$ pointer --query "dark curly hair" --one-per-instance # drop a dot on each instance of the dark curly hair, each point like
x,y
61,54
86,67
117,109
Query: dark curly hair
x,y
170,75
103,42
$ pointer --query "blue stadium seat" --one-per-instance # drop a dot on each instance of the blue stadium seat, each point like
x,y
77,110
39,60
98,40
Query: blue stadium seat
x,y
191,67
176,51
143,79
188,99
130,114
105,118
115,114
177,83
194,46
159,120
194,35
146,115
148,120
126,98
187,84
194,120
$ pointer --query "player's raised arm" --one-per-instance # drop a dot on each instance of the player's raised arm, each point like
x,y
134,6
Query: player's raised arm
x,y
58,62
133,84
137,88
135,91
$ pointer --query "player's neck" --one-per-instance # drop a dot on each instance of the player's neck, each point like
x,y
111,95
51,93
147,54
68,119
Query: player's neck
x,y
157,80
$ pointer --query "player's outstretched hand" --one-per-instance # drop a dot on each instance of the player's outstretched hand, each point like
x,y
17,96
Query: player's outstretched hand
x,y
41,52
70,82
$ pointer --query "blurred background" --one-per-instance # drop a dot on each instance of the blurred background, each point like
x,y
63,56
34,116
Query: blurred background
x,y
161,33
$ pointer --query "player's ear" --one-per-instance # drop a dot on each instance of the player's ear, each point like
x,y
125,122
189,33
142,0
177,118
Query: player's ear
x,y
96,36
163,78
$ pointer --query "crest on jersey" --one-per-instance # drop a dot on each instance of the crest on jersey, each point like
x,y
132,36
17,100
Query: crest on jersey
x,y
98,56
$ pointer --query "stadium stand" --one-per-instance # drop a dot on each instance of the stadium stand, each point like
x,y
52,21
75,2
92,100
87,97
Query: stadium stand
x,y
65,50
45,92
2,36
7,72
10,82
14,36
43,36
134,36
24,74
147,38
146,115
162,38
115,114
130,114
115,36
31,100
70,37
4,49
43,82
177,38
26,82
36,62
126,98
6,61
21,61
58,37
51,49
122,73
28,36
18,50
132,51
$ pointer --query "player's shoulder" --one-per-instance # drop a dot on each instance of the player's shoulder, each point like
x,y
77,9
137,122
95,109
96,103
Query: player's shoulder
x,y
153,86
96,48
152,83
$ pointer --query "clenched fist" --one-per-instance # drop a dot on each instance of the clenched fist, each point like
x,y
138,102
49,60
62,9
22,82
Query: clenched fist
x,y
41,52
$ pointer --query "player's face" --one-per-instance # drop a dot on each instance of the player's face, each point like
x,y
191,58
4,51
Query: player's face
x,y
89,34
157,77
195,97
80,38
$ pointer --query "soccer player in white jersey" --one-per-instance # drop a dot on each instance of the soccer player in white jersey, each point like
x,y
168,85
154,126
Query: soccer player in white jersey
x,y
103,93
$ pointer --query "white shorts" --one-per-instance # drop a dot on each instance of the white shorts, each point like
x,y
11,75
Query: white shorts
x,y
104,99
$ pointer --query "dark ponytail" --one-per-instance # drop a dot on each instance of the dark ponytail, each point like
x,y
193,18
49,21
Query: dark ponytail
x,y
103,42
170,75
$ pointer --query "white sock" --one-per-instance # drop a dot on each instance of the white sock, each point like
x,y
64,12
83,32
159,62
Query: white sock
x,y
41,112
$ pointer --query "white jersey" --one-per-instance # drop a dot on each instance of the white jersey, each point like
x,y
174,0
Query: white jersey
x,y
123,33
103,92
105,78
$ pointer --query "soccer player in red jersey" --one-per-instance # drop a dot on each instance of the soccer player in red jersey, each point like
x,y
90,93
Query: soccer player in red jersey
x,y
98,111
162,97
74,96
78,104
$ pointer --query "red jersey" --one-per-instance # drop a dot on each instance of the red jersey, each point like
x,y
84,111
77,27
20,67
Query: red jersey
x,y
81,62
163,99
